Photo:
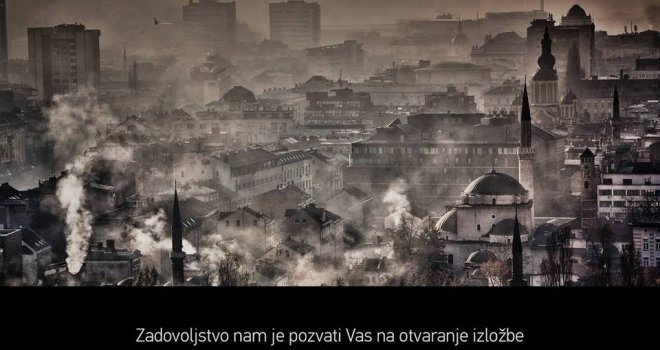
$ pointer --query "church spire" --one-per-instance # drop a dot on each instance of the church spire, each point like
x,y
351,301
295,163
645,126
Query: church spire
x,y
177,255
546,61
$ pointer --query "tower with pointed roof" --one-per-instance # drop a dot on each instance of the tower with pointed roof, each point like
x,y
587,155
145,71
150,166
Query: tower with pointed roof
x,y
589,191
615,122
526,151
545,84
177,256
517,279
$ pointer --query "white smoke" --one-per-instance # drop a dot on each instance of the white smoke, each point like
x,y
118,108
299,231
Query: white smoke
x,y
78,220
75,121
396,203
153,239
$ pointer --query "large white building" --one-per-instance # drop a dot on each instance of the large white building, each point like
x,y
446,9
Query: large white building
x,y
630,187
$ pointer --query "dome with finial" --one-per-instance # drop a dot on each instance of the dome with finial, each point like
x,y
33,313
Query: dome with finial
x,y
576,11
459,38
569,98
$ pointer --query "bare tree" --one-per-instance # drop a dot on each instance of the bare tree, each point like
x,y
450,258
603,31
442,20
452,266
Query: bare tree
x,y
631,267
497,273
431,264
405,235
557,267
601,259
230,273
147,277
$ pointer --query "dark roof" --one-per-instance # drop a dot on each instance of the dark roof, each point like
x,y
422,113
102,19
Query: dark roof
x,y
357,193
293,156
33,240
638,168
9,192
285,193
321,215
248,157
448,222
239,94
649,221
576,11
495,184
259,215
504,90
505,228
272,271
453,66
298,247
481,256
587,154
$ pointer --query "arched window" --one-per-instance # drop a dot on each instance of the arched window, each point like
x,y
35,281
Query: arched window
x,y
494,201
478,227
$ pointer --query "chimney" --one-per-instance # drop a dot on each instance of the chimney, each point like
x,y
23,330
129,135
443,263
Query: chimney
x,y
111,244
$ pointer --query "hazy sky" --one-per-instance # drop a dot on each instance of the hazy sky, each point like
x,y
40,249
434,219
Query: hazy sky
x,y
113,17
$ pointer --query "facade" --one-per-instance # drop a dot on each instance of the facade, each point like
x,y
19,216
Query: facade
x,y
253,229
458,74
210,23
629,187
646,238
502,98
208,83
345,59
37,255
11,251
452,100
338,107
110,265
506,49
63,58
440,154
13,139
296,23
590,179
318,228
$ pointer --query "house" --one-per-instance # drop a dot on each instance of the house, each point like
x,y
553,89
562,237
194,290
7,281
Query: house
x,y
110,265
316,227
251,228
37,255
352,204
274,202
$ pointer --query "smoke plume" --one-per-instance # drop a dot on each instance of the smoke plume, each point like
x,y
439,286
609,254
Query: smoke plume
x,y
396,202
74,121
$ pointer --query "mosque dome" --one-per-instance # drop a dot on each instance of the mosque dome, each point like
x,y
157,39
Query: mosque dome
x,y
576,11
495,184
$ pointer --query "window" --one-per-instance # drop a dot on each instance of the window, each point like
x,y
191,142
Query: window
x,y
238,223
619,204
645,261
633,192
227,223
255,222
586,185
645,245
605,204
657,245
619,192
605,192
478,227
627,181
494,201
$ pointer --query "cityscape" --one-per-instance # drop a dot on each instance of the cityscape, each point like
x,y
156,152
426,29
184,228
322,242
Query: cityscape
x,y
315,143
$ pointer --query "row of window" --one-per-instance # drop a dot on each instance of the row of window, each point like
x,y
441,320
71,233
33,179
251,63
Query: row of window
x,y
628,192
647,244
255,222
647,181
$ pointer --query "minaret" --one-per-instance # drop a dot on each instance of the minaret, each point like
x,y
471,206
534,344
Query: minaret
x,y
177,255
526,151
517,279
616,118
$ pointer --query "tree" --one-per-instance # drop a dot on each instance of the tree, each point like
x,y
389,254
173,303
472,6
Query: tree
x,y
147,277
557,267
497,273
631,267
405,235
431,265
229,272
601,259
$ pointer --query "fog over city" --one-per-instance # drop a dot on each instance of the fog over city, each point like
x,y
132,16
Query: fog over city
x,y
335,143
